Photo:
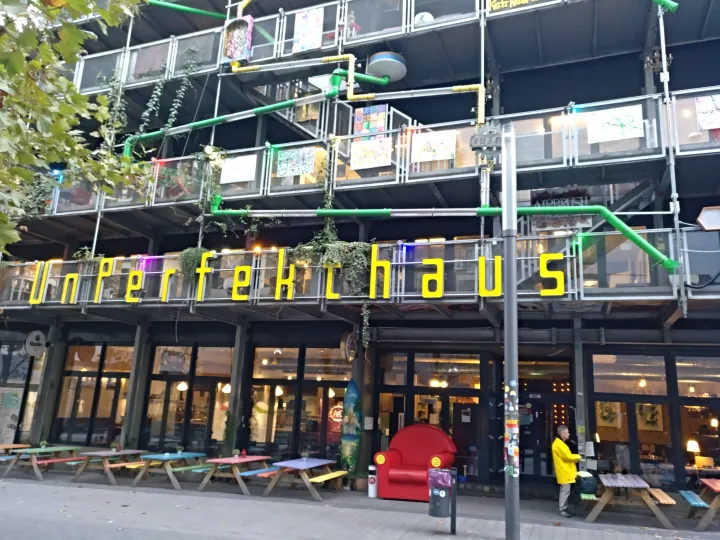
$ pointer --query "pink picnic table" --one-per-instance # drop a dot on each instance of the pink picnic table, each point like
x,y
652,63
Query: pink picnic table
x,y
218,464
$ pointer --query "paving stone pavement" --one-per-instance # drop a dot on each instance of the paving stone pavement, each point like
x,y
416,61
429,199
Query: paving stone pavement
x,y
30,510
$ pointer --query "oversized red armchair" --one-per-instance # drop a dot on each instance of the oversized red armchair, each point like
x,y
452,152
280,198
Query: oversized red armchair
x,y
402,468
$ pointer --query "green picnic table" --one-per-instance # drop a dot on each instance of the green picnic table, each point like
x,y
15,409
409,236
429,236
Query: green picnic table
x,y
44,457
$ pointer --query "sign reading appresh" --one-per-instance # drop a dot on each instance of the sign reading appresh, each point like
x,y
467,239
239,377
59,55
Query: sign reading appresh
x,y
433,280
497,6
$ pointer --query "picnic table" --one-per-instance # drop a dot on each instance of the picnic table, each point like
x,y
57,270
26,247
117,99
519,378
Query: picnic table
x,y
169,463
635,484
6,447
710,485
44,457
299,468
107,460
218,465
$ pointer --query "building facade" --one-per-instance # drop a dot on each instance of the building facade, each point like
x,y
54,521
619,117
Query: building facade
x,y
253,346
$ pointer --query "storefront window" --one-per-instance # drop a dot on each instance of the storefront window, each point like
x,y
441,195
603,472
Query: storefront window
x,y
172,360
327,365
544,377
698,376
154,416
700,440
214,361
336,399
83,358
653,429
271,420
447,370
14,371
612,444
310,421
275,363
464,427
394,368
392,417
428,410
629,374
118,360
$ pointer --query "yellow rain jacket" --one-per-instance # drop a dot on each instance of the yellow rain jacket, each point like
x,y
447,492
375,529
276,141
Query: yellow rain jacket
x,y
564,461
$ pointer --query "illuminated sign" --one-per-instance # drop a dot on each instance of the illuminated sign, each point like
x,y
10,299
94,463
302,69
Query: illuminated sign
x,y
240,287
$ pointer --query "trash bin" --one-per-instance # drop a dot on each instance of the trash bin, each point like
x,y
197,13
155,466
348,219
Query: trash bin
x,y
440,482
372,482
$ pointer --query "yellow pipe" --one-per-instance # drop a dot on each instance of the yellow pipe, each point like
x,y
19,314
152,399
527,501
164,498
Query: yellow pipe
x,y
236,68
350,59
242,6
480,89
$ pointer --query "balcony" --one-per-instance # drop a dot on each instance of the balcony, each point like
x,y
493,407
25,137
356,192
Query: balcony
x,y
607,268
702,252
697,121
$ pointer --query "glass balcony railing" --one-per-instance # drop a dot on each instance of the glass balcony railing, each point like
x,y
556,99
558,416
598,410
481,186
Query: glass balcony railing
x,y
178,180
242,173
439,152
697,121
146,64
219,285
265,38
376,159
75,196
201,49
306,285
620,130
369,20
425,14
94,72
298,167
614,267
701,255
310,29
496,8
124,197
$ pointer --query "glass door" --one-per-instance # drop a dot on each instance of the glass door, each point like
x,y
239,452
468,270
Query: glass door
x,y
198,436
465,418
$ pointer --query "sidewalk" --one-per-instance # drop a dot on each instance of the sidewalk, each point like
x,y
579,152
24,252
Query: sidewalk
x,y
31,510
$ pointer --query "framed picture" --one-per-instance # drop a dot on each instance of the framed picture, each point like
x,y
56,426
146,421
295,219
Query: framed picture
x,y
608,414
649,417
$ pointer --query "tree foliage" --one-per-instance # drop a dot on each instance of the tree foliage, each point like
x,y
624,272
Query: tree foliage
x,y
41,110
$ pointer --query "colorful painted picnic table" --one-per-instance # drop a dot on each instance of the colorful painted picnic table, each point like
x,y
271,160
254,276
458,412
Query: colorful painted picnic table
x,y
709,485
234,463
299,468
107,460
6,447
632,483
171,462
48,456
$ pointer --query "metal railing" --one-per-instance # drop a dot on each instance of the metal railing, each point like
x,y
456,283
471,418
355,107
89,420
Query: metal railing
x,y
701,253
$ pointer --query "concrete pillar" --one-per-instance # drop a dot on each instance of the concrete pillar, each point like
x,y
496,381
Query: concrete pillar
x,y
580,399
50,382
137,384
237,424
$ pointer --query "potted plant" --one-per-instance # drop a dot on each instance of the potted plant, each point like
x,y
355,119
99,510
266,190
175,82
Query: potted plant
x,y
236,452
114,446
43,444
180,449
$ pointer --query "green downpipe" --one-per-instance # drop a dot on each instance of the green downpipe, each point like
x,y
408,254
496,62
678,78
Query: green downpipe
x,y
363,77
349,212
187,9
265,109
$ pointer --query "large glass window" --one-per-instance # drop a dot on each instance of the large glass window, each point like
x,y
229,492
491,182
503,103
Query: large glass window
x,y
392,417
612,444
653,430
629,374
336,399
275,363
172,360
698,376
271,421
214,361
15,366
700,440
393,367
327,365
428,410
447,370
544,377
311,416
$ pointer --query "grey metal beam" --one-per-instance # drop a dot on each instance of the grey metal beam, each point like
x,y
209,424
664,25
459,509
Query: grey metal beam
x,y
670,314
595,27
706,22
492,314
438,195
539,38
651,30
142,358
235,420
346,314
579,373
30,316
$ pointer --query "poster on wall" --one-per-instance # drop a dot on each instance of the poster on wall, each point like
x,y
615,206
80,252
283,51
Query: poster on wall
x,y
370,120
10,401
565,196
608,414
649,417
707,110
433,146
371,154
351,429
615,124
308,32
238,169
237,39
295,161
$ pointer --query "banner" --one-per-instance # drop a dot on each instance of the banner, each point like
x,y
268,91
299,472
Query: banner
x,y
707,109
371,154
295,161
351,429
433,146
615,124
10,402
370,120
308,32
239,169
237,39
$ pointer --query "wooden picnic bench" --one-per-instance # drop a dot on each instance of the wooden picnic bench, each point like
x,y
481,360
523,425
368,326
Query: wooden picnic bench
x,y
171,463
108,460
215,470
634,484
694,500
299,467
709,486
43,457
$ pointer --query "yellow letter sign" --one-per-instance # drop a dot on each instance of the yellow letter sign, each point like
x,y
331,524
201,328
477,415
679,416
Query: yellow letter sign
x,y
289,281
497,278
438,277
558,275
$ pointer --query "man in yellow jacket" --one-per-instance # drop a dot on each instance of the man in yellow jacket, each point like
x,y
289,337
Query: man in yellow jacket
x,y
565,467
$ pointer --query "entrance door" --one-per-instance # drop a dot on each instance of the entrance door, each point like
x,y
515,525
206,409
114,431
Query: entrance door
x,y
465,414
539,421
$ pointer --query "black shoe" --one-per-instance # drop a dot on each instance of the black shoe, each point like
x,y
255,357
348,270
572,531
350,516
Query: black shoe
x,y
565,514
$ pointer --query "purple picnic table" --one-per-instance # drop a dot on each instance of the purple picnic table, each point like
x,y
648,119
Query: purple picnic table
x,y
299,468
104,456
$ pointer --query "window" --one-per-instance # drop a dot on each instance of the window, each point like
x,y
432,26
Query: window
x,y
172,360
214,361
83,358
653,429
612,445
327,365
271,422
275,363
544,377
447,370
701,444
118,359
698,376
629,374
392,417
428,410
394,368
15,365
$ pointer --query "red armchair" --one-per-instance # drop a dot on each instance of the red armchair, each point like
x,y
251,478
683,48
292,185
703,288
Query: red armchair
x,y
402,468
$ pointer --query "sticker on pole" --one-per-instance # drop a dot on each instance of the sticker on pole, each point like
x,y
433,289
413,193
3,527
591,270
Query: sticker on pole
x,y
371,480
442,493
435,462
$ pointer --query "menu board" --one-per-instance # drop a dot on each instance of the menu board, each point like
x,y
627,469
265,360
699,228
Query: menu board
x,y
369,120
10,401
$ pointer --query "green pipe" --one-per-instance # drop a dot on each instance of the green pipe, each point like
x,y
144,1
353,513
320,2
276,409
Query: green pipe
x,y
265,109
362,77
187,9
349,212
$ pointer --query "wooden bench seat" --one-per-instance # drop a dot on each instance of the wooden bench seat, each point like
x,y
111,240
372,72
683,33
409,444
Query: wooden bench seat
x,y
6,458
661,497
56,460
139,464
328,476
206,468
121,464
262,473
190,468
693,499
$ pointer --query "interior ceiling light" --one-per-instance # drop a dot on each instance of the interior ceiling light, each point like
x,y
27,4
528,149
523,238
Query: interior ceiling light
x,y
226,389
182,386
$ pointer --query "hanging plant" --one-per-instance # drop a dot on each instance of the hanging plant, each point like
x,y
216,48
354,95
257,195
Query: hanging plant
x,y
152,107
190,261
189,61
